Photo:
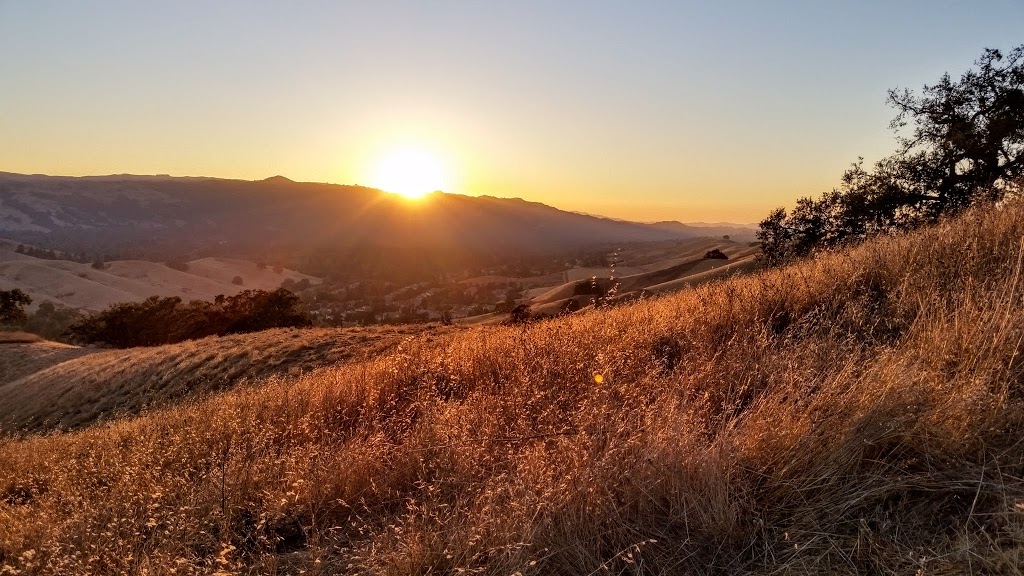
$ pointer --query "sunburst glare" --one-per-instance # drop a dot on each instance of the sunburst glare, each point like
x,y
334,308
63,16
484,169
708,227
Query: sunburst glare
x,y
411,172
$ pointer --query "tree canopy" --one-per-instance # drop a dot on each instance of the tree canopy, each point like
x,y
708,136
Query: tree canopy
x,y
12,307
959,141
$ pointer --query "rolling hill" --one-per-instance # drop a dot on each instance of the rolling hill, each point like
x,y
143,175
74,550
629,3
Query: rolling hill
x,y
639,271
81,286
241,217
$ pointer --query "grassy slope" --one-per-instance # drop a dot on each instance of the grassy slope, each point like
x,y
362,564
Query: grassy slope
x,y
48,385
22,354
859,413
655,269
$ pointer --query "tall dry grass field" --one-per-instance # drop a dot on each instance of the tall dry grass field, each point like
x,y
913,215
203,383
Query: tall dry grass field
x,y
858,413
47,386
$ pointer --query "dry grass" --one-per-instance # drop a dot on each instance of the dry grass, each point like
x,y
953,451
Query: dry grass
x,y
19,338
22,358
860,413
47,386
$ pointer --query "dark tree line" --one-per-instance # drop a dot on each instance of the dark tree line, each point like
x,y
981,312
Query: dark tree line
x,y
960,142
49,254
157,320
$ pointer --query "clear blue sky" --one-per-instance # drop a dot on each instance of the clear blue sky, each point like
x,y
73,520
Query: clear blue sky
x,y
642,110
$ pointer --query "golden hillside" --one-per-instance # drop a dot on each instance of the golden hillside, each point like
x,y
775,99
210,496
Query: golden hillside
x,y
857,413
81,286
47,385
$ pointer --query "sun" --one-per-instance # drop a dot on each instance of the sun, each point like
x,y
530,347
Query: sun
x,y
411,172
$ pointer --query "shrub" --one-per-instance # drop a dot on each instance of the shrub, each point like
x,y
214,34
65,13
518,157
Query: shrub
x,y
587,288
520,314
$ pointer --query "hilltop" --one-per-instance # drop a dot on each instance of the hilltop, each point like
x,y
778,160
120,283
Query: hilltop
x,y
860,412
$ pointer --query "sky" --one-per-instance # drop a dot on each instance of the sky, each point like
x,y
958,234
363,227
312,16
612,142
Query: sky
x,y
685,110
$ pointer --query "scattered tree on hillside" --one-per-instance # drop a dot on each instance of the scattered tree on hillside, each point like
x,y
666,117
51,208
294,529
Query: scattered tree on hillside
x,y
12,307
966,144
99,264
237,280
715,254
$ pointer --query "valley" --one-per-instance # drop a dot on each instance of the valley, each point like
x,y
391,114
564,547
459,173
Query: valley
x,y
126,238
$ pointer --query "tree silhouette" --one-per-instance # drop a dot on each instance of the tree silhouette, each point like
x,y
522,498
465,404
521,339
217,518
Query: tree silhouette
x,y
968,136
966,143
12,307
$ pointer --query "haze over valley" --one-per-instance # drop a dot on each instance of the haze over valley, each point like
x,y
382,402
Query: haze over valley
x,y
358,255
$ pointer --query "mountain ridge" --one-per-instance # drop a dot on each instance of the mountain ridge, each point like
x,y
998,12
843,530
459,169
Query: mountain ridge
x,y
97,212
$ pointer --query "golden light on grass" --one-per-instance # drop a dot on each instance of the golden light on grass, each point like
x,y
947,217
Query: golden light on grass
x,y
855,413
412,172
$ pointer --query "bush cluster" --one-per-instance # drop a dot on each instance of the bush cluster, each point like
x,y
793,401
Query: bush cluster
x,y
157,320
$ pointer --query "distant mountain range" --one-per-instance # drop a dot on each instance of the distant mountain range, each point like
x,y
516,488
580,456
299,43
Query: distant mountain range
x,y
738,232
99,212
